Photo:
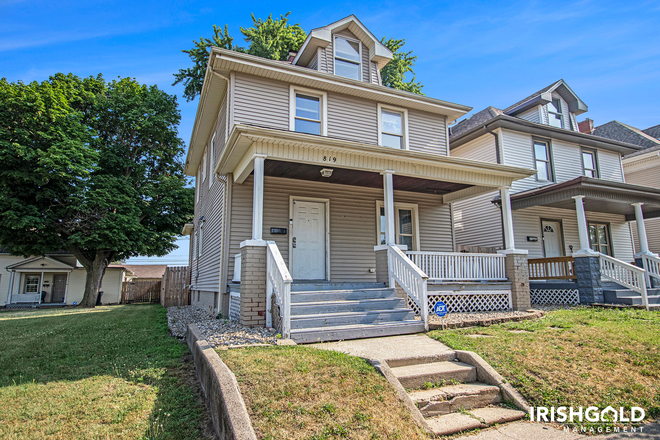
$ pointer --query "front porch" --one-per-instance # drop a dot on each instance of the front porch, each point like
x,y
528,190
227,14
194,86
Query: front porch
x,y
42,281
326,216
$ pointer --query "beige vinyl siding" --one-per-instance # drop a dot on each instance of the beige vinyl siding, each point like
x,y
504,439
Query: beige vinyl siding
x,y
567,162
527,222
609,165
261,101
427,132
352,222
352,118
517,151
314,64
652,234
531,115
477,222
646,177
374,73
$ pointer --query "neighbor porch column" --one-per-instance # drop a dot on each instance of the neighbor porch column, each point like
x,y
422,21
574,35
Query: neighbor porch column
x,y
388,187
641,230
258,198
507,219
583,231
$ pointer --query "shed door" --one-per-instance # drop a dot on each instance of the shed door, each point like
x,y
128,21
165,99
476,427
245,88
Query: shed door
x,y
308,241
551,239
59,288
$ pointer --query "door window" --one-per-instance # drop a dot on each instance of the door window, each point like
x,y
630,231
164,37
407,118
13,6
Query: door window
x,y
405,226
599,238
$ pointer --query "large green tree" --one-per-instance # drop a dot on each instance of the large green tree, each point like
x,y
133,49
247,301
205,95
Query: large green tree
x,y
90,167
394,73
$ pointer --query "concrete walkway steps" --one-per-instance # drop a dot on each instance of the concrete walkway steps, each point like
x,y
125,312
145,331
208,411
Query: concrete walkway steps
x,y
415,376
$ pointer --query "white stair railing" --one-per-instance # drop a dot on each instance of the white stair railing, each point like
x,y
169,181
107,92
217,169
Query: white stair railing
x,y
651,265
460,266
625,274
278,283
411,278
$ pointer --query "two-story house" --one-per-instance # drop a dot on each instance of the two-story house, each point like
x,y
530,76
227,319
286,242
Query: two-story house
x,y
577,203
313,179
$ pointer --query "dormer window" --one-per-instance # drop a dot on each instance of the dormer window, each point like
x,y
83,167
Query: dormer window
x,y
348,56
555,116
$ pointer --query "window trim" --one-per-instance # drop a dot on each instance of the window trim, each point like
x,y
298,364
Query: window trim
x,y
551,168
334,55
414,207
212,161
198,184
594,152
609,235
323,107
25,285
404,124
560,113
204,159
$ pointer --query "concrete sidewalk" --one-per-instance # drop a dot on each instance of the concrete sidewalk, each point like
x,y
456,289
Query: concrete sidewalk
x,y
388,348
542,431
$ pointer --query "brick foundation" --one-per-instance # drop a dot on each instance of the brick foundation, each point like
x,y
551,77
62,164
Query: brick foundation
x,y
517,272
253,286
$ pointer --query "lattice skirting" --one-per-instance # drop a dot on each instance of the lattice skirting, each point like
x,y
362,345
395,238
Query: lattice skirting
x,y
465,303
555,296
234,307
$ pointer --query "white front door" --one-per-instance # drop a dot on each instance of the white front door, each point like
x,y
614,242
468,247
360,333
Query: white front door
x,y
308,240
551,239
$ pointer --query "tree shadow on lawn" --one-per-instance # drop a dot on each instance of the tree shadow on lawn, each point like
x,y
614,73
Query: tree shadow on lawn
x,y
104,370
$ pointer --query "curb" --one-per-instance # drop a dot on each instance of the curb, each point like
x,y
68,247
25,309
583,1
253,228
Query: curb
x,y
231,420
532,314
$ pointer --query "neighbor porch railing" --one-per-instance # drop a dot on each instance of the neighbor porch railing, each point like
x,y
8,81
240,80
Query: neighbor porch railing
x,y
652,267
625,274
460,266
278,283
411,278
554,268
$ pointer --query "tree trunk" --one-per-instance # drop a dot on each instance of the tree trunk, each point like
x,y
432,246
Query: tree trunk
x,y
95,270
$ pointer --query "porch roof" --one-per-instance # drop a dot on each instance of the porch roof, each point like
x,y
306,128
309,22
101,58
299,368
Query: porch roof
x,y
600,196
414,170
40,264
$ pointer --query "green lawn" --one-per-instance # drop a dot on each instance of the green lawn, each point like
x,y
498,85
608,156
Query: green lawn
x,y
306,393
577,357
112,372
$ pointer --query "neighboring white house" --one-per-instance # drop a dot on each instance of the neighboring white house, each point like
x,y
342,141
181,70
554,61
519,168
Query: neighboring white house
x,y
54,279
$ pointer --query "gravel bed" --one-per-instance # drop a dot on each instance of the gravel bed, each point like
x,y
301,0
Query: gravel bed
x,y
453,318
217,332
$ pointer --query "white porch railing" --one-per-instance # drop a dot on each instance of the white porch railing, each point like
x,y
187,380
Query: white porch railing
x,y
411,278
652,267
278,282
625,274
460,266
237,268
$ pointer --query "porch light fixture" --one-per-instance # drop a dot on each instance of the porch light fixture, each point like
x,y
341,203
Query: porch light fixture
x,y
326,172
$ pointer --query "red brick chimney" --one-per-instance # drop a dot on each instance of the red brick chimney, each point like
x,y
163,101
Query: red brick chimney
x,y
586,126
292,56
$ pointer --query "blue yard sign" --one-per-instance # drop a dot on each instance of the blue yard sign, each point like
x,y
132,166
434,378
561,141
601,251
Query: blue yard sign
x,y
440,309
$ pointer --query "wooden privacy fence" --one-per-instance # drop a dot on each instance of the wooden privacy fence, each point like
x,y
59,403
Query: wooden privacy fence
x,y
556,268
141,291
174,287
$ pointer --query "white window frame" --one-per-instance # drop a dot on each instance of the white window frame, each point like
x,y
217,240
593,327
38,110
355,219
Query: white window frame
x,y
204,159
198,184
550,106
548,150
212,161
594,154
415,219
334,55
38,285
323,107
404,124
194,246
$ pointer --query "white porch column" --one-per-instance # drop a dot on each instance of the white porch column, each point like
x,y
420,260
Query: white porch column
x,y
258,198
641,230
583,231
388,186
507,219
11,287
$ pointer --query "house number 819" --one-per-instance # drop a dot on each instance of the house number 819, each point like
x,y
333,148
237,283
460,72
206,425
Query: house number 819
x,y
332,159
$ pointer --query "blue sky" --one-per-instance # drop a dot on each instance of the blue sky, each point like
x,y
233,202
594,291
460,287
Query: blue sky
x,y
472,53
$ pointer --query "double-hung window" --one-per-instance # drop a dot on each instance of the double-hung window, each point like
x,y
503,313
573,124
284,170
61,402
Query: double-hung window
x,y
348,54
32,283
589,163
308,110
392,131
542,161
555,115
405,225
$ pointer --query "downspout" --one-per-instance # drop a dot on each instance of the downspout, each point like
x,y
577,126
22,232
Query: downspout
x,y
499,161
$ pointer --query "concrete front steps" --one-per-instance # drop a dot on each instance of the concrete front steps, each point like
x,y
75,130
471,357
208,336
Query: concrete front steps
x,y
616,294
325,311
448,395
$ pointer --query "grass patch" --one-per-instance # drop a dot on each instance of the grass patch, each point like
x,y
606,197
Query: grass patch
x,y
578,357
306,393
109,372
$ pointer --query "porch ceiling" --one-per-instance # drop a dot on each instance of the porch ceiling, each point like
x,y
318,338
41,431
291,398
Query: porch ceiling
x,y
344,176
600,196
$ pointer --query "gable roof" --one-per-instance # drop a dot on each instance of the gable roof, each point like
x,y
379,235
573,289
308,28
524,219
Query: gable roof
x,y
625,133
653,131
46,263
477,119
544,96
321,37
146,270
